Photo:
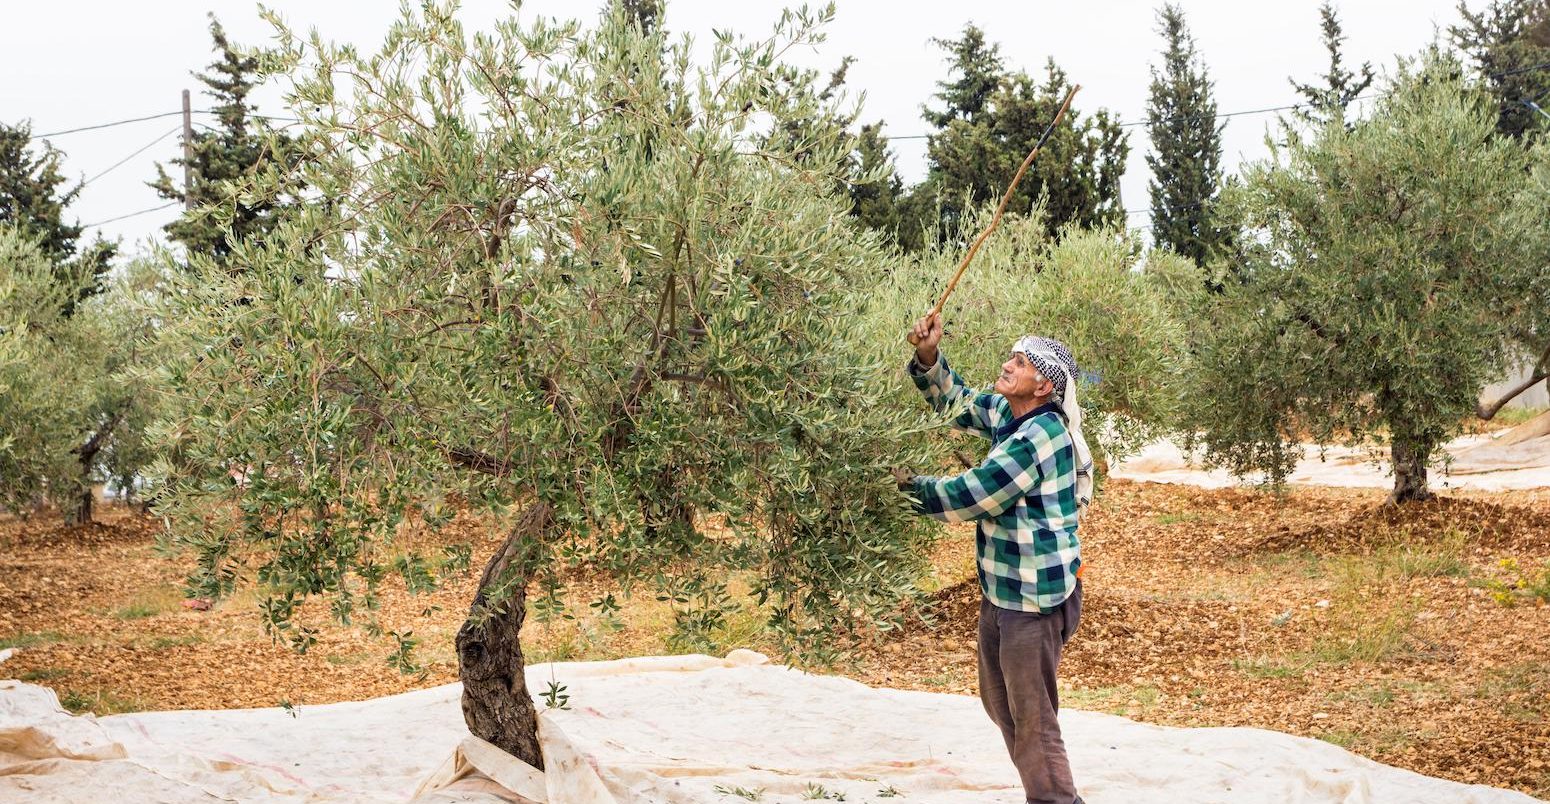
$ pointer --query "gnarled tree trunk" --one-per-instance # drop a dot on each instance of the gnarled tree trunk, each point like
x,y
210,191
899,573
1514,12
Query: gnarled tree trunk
x,y
496,704
82,513
1409,460
87,454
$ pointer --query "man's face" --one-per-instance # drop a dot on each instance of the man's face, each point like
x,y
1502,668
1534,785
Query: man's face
x,y
1021,380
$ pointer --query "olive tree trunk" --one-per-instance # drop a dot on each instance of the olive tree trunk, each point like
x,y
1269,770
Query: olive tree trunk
x,y
87,455
1409,458
496,704
81,513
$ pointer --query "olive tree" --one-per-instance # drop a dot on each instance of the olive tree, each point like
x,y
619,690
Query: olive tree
x,y
1388,267
66,401
1083,287
563,278
39,402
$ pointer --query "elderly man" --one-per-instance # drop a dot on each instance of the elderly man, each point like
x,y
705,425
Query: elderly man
x,y
1026,498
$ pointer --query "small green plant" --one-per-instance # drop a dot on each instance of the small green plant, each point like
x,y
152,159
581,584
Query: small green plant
x,y
99,702
165,642
1520,583
290,708
1378,695
817,792
1344,739
1367,621
75,702
1443,559
340,659
1299,561
1121,700
889,792
555,697
402,658
756,794
44,674
941,679
136,611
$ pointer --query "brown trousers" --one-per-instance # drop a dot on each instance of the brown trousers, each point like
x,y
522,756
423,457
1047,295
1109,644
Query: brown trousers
x,y
1019,652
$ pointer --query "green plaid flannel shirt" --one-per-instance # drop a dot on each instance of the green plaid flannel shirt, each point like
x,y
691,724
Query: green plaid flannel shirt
x,y
1023,497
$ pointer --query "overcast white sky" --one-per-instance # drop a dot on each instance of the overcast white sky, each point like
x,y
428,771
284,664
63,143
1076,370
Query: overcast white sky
x,y
72,63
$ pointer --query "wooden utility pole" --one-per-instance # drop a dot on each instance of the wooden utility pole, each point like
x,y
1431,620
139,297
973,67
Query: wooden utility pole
x,y
188,154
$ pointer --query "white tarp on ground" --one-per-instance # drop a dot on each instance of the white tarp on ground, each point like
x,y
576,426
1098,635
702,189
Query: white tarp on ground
x,y
1481,463
664,729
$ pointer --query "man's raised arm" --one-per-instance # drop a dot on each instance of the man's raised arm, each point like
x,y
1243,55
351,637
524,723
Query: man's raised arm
x,y
942,387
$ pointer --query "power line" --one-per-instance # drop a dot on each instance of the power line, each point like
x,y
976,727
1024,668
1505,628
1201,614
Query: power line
x,y
132,214
106,125
1287,107
1224,115
139,151
1128,212
127,121
1530,68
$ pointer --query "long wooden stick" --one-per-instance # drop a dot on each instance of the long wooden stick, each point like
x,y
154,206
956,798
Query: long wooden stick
x,y
1005,199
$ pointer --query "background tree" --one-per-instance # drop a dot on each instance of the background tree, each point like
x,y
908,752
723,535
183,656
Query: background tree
x,y
1083,288
986,128
1186,153
877,192
33,200
976,73
39,396
1509,42
224,157
646,13
569,281
63,398
1328,100
1373,307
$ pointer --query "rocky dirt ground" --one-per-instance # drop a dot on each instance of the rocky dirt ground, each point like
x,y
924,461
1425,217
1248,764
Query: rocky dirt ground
x,y
1419,637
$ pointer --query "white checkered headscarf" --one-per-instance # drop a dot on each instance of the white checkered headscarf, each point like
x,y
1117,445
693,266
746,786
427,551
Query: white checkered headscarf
x,y
1054,361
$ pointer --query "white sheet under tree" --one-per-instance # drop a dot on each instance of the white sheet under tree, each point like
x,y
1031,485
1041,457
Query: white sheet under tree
x,y
665,729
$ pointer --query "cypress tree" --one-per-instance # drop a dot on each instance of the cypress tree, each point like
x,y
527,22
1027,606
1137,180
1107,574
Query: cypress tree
x,y
239,144
33,201
1340,86
984,135
1186,152
978,69
875,203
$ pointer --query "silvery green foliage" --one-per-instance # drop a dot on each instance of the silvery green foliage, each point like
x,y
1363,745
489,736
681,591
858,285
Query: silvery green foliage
x,y
62,381
1387,265
548,264
39,403
1085,289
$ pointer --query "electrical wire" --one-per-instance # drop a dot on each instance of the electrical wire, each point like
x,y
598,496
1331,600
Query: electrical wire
x,y
127,121
137,152
1220,116
132,214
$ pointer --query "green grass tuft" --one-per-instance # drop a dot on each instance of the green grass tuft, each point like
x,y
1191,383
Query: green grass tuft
x,y
99,702
31,639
